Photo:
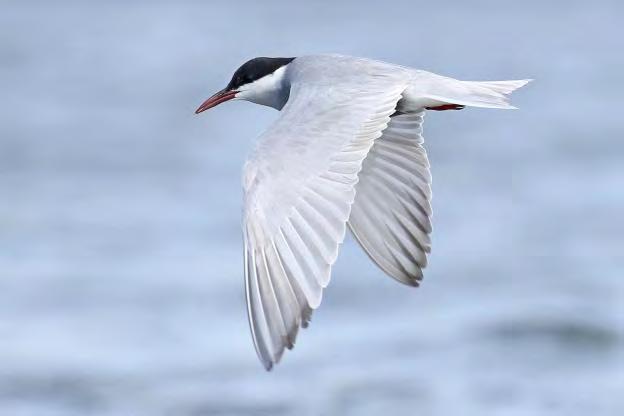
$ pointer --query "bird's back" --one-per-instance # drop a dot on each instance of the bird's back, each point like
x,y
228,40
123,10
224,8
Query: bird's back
x,y
425,90
339,70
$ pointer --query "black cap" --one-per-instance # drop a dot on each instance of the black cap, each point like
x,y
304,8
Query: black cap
x,y
255,69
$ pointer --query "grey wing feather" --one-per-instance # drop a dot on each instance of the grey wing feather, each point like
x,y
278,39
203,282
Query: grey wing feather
x,y
391,215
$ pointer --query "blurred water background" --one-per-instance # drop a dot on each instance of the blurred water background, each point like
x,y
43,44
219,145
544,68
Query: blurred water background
x,y
121,283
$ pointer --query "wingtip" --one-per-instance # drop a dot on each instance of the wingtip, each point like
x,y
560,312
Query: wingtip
x,y
268,365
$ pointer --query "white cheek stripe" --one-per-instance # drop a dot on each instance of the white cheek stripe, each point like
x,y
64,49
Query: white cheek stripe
x,y
266,90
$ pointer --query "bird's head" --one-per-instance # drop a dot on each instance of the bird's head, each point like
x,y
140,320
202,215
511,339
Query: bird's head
x,y
259,80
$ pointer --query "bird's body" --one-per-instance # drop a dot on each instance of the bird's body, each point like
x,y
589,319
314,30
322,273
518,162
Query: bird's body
x,y
347,151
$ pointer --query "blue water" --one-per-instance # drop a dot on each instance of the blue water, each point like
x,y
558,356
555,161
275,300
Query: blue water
x,y
121,288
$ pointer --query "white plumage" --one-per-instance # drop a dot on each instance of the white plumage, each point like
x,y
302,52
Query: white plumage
x,y
347,150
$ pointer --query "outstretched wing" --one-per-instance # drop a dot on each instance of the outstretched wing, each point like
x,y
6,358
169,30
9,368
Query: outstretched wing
x,y
299,186
391,215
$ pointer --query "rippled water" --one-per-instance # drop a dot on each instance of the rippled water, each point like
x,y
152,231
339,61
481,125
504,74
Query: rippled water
x,y
120,256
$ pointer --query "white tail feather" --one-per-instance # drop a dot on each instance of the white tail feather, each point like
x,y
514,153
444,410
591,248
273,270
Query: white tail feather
x,y
501,87
488,94
431,90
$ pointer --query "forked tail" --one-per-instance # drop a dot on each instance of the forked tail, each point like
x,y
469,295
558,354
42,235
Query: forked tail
x,y
436,92
491,94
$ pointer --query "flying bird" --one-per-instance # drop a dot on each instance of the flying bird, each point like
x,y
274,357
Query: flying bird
x,y
346,152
